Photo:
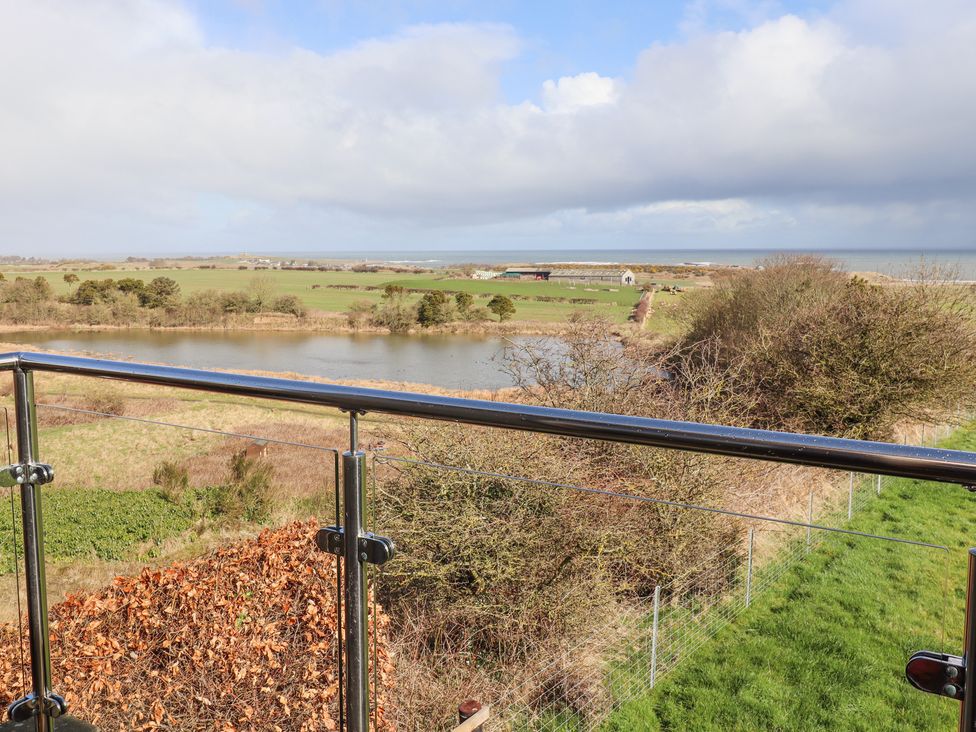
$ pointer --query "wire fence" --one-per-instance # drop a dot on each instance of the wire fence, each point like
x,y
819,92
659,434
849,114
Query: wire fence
x,y
620,660
623,656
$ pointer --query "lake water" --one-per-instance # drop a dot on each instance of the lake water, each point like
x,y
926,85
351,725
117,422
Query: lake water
x,y
451,361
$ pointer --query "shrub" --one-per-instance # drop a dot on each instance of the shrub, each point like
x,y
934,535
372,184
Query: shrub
x,y
248,495
161,292
289,304
827,353
502,307
173,481
463,301
360,312
433,309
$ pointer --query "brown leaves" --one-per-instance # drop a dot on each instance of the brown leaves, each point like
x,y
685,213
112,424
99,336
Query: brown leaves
x,y
242,639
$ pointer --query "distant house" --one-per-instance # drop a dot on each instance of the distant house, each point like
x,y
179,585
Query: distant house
x,y
484,274
594,276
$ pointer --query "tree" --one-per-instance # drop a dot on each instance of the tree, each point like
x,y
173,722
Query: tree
x,y
130,285
502,307
91,291
464,301
394,313
432,309
71,278
161,292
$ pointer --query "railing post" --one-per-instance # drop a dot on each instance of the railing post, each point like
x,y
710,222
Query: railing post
x,y
752,537
657,608
33,526
967,713
879,484
357,664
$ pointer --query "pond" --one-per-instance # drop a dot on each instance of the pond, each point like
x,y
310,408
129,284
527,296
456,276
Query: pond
x,y
450,361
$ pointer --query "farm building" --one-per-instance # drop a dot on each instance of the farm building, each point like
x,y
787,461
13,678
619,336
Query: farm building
x,y
526,273
597,276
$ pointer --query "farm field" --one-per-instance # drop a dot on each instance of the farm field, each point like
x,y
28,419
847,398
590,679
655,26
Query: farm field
x,y
616,305
826,646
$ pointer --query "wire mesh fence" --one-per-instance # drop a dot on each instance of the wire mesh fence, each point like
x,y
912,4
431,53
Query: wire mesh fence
x,y
621,658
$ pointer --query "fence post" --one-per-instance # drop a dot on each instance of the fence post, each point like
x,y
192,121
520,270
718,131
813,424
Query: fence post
x,y
850,498
752,536
657,608
809,518
33,526
357,665
879,484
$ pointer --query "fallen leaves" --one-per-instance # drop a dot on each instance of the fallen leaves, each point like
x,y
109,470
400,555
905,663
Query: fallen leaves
x,y
242,639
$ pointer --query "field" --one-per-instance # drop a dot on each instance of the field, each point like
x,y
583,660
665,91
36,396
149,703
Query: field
x,y
616,304
825,648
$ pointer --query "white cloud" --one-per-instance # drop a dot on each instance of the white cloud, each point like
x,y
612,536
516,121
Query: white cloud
x,y
573,93
121,118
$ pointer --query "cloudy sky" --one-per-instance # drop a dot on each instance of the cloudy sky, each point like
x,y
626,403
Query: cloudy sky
x,y
153,126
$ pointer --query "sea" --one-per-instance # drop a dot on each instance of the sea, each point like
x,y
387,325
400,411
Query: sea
x,y
893,262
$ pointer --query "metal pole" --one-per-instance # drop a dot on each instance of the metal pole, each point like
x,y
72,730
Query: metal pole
x,y
809,518
31,517
657,608
967,713
752,536
850,498
879,485
357,664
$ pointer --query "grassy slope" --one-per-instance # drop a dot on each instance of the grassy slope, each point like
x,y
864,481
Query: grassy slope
x,y
825,647
617,305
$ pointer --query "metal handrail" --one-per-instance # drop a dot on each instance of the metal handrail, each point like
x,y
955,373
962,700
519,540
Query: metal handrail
x,y
43,705
926,463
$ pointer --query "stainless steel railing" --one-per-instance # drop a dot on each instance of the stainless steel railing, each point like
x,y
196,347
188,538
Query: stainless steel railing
x,y
949,466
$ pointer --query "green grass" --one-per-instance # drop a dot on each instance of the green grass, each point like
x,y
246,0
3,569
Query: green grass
x,y
616,305
97,524
825,647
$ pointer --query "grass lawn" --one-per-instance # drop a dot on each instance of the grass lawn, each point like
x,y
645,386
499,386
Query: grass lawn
x,y
616,305
825,647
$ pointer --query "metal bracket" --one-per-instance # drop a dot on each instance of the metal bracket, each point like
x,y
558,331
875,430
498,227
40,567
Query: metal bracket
x,y
28,708
373,549
34,473
937,673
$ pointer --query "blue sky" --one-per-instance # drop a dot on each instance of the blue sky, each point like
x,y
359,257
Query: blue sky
x,y
152,126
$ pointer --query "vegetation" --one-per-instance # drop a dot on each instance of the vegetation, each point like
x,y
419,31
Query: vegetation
x,y
502,307
566,557
825,648
249,494
336,291
101,524
812,349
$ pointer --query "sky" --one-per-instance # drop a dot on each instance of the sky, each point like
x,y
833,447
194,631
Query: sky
x,y
134,127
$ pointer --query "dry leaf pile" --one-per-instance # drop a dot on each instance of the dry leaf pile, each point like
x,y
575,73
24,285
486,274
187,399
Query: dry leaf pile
x,y
241,639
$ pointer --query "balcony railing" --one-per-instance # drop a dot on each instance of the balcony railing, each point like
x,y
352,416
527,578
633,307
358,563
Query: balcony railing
x,y
356,547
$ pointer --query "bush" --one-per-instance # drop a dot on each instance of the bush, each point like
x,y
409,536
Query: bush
x,y
173,481
433,309
360,312
249,494
289,304
161,292
827,353
502,307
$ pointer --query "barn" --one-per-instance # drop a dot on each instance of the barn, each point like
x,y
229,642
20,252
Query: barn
x,y
594,276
